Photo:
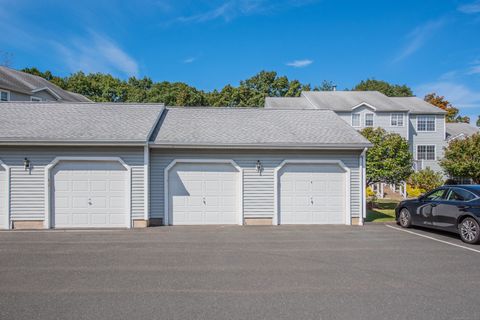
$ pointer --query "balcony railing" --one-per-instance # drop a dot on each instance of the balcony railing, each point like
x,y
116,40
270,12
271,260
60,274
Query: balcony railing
x,y
417,165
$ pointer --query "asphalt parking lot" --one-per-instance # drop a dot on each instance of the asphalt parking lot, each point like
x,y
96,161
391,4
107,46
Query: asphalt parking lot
x,y
301,272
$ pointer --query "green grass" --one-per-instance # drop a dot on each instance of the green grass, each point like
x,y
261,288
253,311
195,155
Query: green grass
x,y
383,211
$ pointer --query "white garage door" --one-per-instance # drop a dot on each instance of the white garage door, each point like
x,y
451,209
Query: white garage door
x,y
203,194
90,195
312,194
3,199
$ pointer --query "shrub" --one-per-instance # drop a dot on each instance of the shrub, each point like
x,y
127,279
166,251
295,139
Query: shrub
x,y
414,192
371,197
426,179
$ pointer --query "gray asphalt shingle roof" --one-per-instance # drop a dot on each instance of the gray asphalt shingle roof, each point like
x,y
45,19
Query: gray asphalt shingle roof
x,y
345,100
288,103
417,105
23,82
237,127
77,122
457,129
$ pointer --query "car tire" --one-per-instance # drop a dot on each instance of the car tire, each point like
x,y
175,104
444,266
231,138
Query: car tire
x,y
404,218
469,230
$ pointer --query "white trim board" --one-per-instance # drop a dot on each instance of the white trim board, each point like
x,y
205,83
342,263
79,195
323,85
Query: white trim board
x,y
146,181
364,104
348,200
166,209
6,168
48,185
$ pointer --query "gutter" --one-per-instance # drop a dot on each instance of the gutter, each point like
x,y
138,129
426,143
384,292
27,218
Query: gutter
x,y
73,143
359,146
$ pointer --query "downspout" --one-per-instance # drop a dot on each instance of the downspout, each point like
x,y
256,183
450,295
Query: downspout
x,y
363,174
146,181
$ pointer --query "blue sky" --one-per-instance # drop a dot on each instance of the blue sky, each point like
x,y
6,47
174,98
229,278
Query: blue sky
x,y
430,45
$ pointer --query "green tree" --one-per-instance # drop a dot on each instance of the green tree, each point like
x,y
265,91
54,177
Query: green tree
x,y
389,160
425,179
46,75
444,104
462,158
391,90
325,86
478,122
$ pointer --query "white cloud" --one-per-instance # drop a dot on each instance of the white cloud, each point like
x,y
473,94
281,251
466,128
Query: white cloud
x,y
417,38
459,95
189,60
97,53
474,70
299,63
232,9
470,8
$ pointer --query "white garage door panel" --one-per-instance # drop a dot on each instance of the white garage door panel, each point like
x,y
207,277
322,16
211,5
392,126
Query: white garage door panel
x,y
90,195
3,199
312,194
203,194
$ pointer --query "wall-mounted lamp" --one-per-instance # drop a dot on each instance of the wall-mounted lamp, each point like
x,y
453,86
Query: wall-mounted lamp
x,y
26,164
259,166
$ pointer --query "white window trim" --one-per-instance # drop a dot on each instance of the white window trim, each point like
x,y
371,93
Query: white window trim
x,y
8,95
48,185
348,213
397,114
365,120
36,99
426,145
359,120
434,123
166,209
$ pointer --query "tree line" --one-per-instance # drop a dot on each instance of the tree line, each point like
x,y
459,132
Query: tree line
x,y
101,87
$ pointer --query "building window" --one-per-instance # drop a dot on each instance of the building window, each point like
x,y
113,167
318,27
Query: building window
x,y
426,152
35,99
426,123
355,119
369,120
4,96
396,119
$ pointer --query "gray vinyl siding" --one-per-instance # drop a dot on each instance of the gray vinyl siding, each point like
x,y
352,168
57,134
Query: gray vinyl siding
x,y
44,95
19,96
27,197
258,189
380,119
436,138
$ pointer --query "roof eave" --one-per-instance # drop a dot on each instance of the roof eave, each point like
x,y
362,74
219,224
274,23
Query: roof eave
x,y
71,143
354,146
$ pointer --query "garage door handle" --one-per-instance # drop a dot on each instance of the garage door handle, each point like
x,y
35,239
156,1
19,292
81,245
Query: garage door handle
x,y
204,201
311,200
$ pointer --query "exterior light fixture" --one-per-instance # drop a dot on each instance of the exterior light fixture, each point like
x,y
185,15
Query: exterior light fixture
x,y
26,164
259,166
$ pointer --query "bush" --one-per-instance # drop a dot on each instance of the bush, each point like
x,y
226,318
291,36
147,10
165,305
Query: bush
x,y
371,197
414,192
426,179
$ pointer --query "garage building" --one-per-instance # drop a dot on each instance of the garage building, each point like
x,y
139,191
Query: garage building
x,y
93,165
78,165
256,166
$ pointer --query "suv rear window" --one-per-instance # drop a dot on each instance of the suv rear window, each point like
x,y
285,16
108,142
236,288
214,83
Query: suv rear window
x,y
457,194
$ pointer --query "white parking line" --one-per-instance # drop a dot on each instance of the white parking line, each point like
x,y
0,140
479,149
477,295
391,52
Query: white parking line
x,y
432,238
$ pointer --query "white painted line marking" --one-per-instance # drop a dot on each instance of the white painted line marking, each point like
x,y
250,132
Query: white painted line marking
x,y
432,238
